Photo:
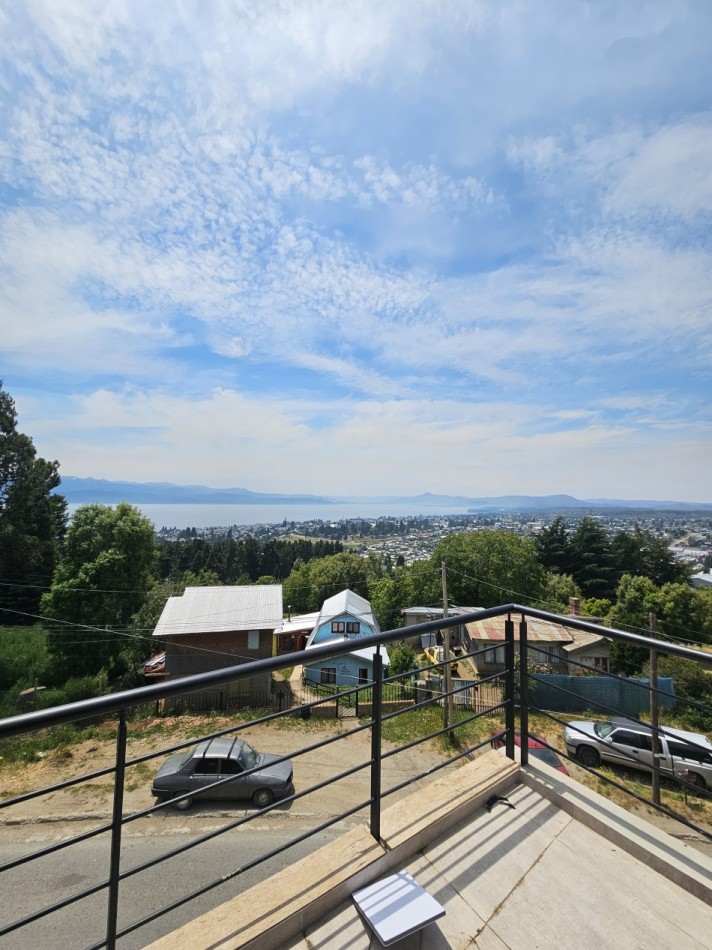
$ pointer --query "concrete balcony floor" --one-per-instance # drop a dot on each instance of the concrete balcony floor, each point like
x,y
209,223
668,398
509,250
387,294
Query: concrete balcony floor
x,y
563,868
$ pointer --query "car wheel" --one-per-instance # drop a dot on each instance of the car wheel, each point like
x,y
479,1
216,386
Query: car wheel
x,y
184,804
262,798
588,756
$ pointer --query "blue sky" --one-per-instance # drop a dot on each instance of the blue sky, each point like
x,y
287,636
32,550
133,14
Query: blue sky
x,y
361,247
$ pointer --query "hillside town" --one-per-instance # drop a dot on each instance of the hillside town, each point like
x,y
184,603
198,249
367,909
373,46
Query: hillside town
x,y
405,540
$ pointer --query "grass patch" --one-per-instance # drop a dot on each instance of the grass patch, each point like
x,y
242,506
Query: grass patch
x,y
30,748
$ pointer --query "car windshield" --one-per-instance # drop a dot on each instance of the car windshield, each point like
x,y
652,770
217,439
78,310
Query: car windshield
x,y
546,756
185,758
247,757
603,729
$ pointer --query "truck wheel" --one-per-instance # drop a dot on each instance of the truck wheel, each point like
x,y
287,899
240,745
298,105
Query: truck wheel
x,y
699,781
588,756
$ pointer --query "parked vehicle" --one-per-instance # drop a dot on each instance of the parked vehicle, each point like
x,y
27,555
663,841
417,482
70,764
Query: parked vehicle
x,y
223,768
436,654
629,743
538,749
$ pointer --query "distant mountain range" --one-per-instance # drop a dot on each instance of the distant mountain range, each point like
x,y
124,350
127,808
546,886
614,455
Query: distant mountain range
x,y
101,491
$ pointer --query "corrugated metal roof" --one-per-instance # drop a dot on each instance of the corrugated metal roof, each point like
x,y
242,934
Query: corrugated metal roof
x,y
303,622
583,638
219,609
541,631
347,602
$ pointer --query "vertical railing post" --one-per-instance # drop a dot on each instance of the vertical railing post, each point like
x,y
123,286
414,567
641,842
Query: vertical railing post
x,y
523,692
376,745
116,825
509,684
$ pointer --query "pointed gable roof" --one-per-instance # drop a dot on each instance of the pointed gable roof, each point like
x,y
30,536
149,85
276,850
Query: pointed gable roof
x,y
347,602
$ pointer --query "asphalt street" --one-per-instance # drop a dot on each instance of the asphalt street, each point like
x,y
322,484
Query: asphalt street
x,y
83,923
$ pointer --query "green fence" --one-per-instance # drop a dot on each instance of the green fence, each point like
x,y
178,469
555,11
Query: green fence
x,y
603,694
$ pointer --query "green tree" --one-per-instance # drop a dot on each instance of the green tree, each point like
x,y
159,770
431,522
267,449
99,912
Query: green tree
x,y
487,568
101,581
560,588
33,519
554,547
682,613
23,656
311,583
402,659
640,552
425,581
593,565
694,684
389,595
636,598
598,607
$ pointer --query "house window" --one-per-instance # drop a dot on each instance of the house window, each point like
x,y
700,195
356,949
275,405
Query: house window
x,y
495,656
353,626
601,663
328,675
363,675
253,639
338,626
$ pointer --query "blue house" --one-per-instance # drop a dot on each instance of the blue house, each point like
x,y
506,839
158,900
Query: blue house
x,y
345,616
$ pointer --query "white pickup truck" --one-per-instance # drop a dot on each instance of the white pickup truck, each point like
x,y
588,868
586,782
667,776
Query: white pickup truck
x,y
687,755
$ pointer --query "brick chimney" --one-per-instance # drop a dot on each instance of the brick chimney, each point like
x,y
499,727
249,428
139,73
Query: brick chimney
x,y
575,606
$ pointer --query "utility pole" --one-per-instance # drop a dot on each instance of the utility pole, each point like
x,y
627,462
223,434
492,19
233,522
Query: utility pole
x,y
655,788
448,705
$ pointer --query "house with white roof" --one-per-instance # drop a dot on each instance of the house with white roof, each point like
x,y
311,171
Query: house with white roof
x,y
208,628
345,617
701,579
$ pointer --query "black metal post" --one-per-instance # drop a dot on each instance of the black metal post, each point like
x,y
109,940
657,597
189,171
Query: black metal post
x,y
116,825
509,684
523,692
376,745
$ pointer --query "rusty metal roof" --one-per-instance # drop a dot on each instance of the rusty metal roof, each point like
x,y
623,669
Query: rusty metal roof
x,y
538,631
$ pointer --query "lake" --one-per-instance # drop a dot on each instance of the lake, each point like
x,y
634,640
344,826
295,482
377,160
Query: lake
x,y
218,516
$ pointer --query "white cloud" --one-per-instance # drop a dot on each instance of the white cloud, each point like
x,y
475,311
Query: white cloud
x,y
403,229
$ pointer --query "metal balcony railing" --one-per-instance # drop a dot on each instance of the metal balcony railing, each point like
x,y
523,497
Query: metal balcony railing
x,y
515,702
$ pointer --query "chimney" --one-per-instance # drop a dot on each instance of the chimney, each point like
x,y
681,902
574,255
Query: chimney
x,y
575,606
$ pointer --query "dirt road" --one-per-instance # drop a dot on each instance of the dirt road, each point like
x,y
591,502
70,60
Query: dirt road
x,y
93,799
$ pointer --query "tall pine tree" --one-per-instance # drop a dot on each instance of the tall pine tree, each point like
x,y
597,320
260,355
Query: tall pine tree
x,y
33,520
